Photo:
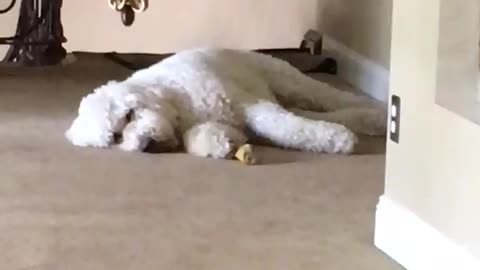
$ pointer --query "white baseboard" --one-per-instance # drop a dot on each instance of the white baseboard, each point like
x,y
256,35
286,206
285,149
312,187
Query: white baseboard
x,y
415,244
356,69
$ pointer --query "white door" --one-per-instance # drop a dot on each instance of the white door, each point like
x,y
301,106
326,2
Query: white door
x,y
434,168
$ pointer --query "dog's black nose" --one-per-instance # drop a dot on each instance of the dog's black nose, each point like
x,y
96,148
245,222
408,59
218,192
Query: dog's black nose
x,y
117,138
153,147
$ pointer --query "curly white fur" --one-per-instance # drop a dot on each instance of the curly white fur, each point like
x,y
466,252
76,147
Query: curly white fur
x,y
207,100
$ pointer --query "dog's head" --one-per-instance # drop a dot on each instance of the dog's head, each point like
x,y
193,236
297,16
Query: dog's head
x,y
101,115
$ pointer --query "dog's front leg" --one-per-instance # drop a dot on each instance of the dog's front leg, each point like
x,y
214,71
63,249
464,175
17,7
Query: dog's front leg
x,y
213,140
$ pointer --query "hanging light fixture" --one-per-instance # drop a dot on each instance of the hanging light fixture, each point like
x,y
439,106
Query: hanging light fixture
x,y
39,35
8,8
128,8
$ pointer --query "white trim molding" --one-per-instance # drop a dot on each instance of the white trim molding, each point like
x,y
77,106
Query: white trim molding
x,y
415,244
359,71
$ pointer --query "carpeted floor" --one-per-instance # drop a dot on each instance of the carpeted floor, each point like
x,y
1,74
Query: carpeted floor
x,y
63,207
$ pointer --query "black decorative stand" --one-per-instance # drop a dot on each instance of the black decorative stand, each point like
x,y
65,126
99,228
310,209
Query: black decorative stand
x,y
39,36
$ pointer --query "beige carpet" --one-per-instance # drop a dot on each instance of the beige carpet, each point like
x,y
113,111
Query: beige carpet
x,y
66,208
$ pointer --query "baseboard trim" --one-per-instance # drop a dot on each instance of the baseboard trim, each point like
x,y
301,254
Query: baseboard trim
x,y
415,244
359,71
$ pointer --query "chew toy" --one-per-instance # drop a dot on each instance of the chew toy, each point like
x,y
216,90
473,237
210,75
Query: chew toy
x,y
245,154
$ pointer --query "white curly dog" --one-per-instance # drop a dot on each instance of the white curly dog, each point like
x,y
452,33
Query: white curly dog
x,y
212,100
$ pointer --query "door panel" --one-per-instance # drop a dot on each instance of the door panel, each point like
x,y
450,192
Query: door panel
x,y
434,170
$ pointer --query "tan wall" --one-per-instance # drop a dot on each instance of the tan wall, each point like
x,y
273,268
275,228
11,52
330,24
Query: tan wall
x,y
434,170
171,25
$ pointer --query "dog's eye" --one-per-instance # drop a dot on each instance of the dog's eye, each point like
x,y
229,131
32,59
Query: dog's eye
x,y
129,116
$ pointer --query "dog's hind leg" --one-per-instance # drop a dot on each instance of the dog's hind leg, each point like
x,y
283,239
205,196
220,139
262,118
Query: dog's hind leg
x,y
300,91
365,121
213,140
295,89
285,129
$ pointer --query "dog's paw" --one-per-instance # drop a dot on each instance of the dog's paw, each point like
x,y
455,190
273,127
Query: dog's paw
x,y
213,140
343,141
370,121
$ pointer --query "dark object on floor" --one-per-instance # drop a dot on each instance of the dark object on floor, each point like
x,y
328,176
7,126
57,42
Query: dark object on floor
x,y
328,66
116,58
39,36
312,44
313,41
